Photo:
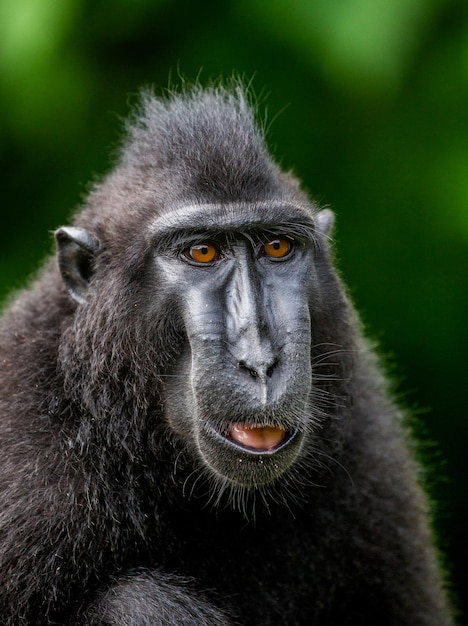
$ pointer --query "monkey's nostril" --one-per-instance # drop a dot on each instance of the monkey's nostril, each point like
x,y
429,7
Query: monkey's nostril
x,y
242,365
269,371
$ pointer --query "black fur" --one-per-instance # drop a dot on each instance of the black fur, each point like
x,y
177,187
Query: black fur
x,y
110,513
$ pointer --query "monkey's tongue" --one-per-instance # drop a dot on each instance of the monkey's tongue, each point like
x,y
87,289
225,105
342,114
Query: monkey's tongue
x,y
257,437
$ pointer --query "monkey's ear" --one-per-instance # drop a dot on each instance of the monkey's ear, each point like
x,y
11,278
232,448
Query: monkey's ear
x,y
325,221
76,252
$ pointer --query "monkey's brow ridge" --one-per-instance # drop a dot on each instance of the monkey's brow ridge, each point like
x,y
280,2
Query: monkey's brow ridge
x,y
235,216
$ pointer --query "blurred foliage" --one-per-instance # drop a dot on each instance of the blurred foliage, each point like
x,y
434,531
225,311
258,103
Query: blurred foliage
x,y
368,102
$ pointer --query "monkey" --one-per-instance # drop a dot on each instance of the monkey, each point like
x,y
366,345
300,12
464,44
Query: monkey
x,y
194,428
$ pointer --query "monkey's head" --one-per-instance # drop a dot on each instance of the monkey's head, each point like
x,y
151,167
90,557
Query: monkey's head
x,y
201,281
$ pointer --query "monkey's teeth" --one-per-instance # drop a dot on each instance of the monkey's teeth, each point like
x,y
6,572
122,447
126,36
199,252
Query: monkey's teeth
x,y
257,437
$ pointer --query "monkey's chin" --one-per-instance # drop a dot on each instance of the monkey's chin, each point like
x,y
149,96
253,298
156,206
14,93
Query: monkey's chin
x,y
246,465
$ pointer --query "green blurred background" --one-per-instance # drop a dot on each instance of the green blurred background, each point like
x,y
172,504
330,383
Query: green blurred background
x,y
368,104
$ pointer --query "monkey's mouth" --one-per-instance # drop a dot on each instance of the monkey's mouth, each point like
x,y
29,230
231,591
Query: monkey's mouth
x,y
250,454
255,440
260,439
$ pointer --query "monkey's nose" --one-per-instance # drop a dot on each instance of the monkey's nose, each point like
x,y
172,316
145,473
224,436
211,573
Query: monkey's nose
x,y
260,370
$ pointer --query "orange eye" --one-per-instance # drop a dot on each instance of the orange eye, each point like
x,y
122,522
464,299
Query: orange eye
x,y
277,248
205,252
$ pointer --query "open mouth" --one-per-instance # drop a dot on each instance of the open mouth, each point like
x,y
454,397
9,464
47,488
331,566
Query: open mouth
x,y
257,438
250,454
266,439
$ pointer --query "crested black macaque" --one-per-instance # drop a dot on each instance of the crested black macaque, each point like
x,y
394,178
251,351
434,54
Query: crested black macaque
x,y
193,430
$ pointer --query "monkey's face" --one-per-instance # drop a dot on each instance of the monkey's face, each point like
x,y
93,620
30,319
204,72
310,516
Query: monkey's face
x,y
226,301
241,283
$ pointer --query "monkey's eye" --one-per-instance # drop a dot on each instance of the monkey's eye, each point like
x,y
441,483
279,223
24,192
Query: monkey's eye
x,y
277,248
203,253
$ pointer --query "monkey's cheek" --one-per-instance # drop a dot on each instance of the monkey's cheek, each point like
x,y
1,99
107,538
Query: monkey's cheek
x,y
248,466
